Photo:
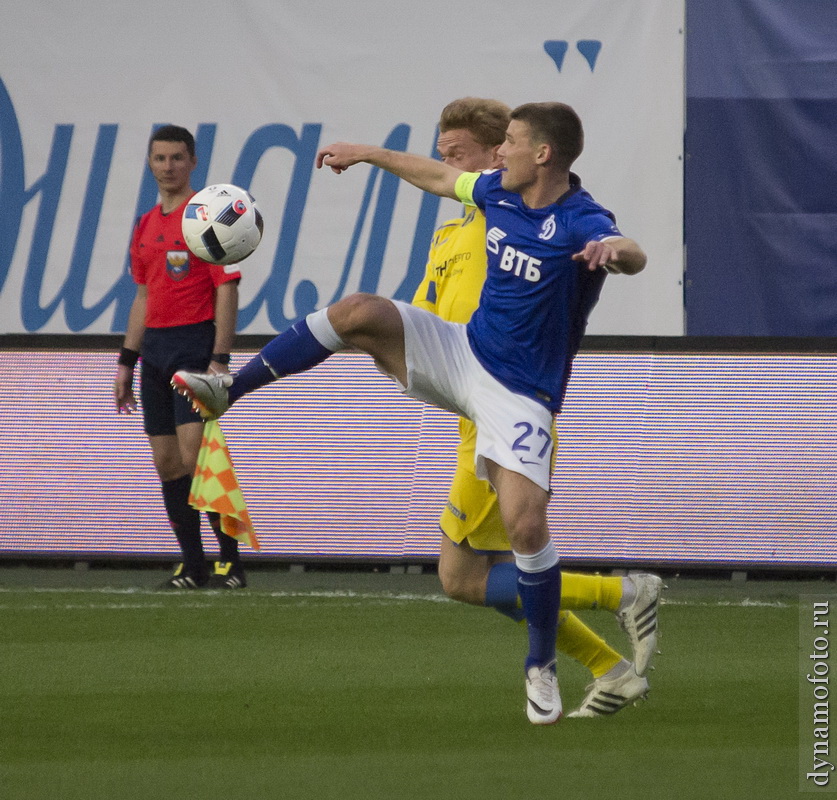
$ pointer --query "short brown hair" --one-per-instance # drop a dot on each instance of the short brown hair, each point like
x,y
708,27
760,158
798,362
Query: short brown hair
x,y
486,119
173,133
555,124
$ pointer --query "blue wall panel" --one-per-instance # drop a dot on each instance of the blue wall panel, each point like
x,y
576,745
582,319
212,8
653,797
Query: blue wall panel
x,y
760,200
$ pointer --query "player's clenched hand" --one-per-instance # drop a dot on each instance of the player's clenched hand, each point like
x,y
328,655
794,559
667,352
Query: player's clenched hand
x,y
340,156
597,254
123,390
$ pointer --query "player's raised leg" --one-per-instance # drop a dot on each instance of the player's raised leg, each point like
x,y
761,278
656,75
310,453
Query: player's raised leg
x,y
304,345
367,322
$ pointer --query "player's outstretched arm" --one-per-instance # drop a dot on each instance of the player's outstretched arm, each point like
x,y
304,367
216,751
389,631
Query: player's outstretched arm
x,y
426,173
618,255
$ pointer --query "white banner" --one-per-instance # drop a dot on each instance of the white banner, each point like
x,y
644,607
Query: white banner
x,y
263,84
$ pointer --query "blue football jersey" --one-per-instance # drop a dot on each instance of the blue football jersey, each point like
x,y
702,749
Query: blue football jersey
x,y
536,300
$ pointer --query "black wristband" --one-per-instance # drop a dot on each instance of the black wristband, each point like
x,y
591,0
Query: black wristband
x,y
221,358
128,357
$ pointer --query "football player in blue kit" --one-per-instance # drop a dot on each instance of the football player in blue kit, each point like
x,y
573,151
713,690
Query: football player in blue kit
x,y
550,246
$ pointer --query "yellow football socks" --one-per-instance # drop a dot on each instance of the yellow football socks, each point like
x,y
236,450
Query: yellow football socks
x,y
579,592
577,641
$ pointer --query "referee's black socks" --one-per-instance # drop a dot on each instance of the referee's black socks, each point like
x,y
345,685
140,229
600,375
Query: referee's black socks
x,y
226,544
186,524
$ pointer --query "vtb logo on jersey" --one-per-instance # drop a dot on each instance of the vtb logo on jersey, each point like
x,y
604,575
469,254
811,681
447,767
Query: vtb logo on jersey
x,y
177,264
492,239
512,260
521,264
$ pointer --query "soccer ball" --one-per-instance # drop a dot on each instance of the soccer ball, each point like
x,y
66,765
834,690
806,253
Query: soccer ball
x,y
222,224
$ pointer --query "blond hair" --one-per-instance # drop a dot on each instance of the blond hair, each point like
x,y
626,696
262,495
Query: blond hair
x,y
486,119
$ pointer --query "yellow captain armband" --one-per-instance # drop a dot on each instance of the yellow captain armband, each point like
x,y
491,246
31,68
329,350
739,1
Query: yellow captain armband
x,y
464,187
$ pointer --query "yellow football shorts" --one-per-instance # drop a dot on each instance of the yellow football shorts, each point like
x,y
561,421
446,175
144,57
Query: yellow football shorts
x,y
472,513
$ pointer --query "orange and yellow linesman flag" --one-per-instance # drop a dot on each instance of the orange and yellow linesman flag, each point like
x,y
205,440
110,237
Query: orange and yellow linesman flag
x,y
215,486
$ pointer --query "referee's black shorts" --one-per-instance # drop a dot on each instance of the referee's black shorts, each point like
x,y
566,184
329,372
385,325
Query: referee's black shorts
x,y
164,351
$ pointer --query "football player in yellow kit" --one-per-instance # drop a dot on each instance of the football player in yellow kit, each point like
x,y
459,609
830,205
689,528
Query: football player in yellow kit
x,y
476,564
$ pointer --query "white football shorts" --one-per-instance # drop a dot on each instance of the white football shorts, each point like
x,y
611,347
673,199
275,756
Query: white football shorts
x,y
514,431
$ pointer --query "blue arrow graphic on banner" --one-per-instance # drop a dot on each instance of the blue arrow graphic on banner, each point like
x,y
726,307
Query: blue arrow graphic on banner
x,y
556,49
589,48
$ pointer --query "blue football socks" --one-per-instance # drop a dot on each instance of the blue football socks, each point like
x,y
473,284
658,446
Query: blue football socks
x,y
540,595
252,375
295,350
501,590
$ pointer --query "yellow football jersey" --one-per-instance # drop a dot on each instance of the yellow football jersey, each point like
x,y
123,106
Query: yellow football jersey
x,y
451,287
453,279
455,270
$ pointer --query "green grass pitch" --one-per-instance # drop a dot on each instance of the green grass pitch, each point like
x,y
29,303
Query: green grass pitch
x,y
356,685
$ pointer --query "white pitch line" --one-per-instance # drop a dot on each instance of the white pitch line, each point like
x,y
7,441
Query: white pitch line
x,y
207,598
744,603
246,598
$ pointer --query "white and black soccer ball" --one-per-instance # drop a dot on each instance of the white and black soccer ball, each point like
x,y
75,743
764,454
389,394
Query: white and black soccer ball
x,y
222,224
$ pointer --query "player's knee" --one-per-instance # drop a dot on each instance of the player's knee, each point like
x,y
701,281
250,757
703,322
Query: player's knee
x,y
353,315
528,532
458,587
